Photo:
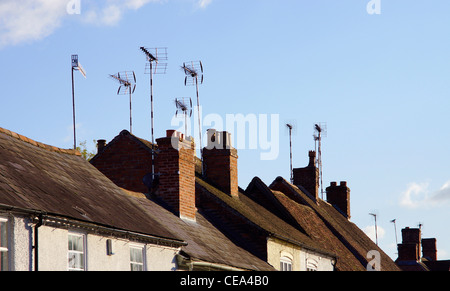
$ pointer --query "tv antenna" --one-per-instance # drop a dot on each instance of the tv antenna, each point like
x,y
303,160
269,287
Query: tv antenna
x,y
127,81
185,106
289,126
320,131
376,228
153,67
194,75
76,66
395,229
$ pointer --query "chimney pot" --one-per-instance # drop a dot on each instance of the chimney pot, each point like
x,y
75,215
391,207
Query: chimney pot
x,y
308,177
220,162
339,196
101,144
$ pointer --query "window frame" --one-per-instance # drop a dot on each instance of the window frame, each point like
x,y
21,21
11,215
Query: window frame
x,y
312,265
142,264
285,264
83,252
4,248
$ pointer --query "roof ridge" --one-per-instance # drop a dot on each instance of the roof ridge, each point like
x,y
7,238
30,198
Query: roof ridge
x,y
39,144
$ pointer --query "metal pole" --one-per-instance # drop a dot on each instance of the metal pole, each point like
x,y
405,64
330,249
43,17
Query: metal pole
x,y
199,124
395,229
151,98
73,106
131,122
376,228
153,136
320,164
290,145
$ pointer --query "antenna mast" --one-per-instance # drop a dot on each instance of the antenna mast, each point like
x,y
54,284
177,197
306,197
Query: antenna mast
x,y
320,132
154,66
194,71
289,126
185,106
127,81
376,228
76,66
395,229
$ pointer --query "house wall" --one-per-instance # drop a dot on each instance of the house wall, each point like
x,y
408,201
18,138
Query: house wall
x,y
301,258
53,250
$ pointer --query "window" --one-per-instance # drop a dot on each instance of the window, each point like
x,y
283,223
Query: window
x,y
311,265
4,258
76,254
285,264
137,258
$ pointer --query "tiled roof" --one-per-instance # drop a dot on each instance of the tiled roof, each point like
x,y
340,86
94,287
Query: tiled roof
x,y
253,214
60,182
284,211
205,242
329,228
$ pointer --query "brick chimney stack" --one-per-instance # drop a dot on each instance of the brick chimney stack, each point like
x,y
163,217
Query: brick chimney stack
x,y
409,249
339,196
176,165
429,249
308,177
220,162
101,144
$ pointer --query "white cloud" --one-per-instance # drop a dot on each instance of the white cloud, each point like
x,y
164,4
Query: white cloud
x,y
111,12
418,196
370,232
203,3
29,20
136,4
32,20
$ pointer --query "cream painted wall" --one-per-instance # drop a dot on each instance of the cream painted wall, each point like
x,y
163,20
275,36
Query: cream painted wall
x,y
301,258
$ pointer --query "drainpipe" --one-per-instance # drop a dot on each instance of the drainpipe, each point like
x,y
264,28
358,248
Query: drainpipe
x,y
36,243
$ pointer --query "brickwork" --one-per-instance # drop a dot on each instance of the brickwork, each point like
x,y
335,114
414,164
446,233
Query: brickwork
x,y
339,196
308,177
220,163
125,162
429,249
175,165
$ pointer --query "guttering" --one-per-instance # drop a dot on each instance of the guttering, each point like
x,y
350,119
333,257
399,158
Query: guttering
x,y
304,246
190,264
55,220
59,221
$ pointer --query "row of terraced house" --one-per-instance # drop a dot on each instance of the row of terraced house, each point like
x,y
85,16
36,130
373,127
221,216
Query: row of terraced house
x,y
61,212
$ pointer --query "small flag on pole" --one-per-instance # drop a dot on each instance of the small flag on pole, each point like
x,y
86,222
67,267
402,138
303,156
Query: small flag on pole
x,y
77,66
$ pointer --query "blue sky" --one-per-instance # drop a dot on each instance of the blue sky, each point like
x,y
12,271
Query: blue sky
x,y
379,82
